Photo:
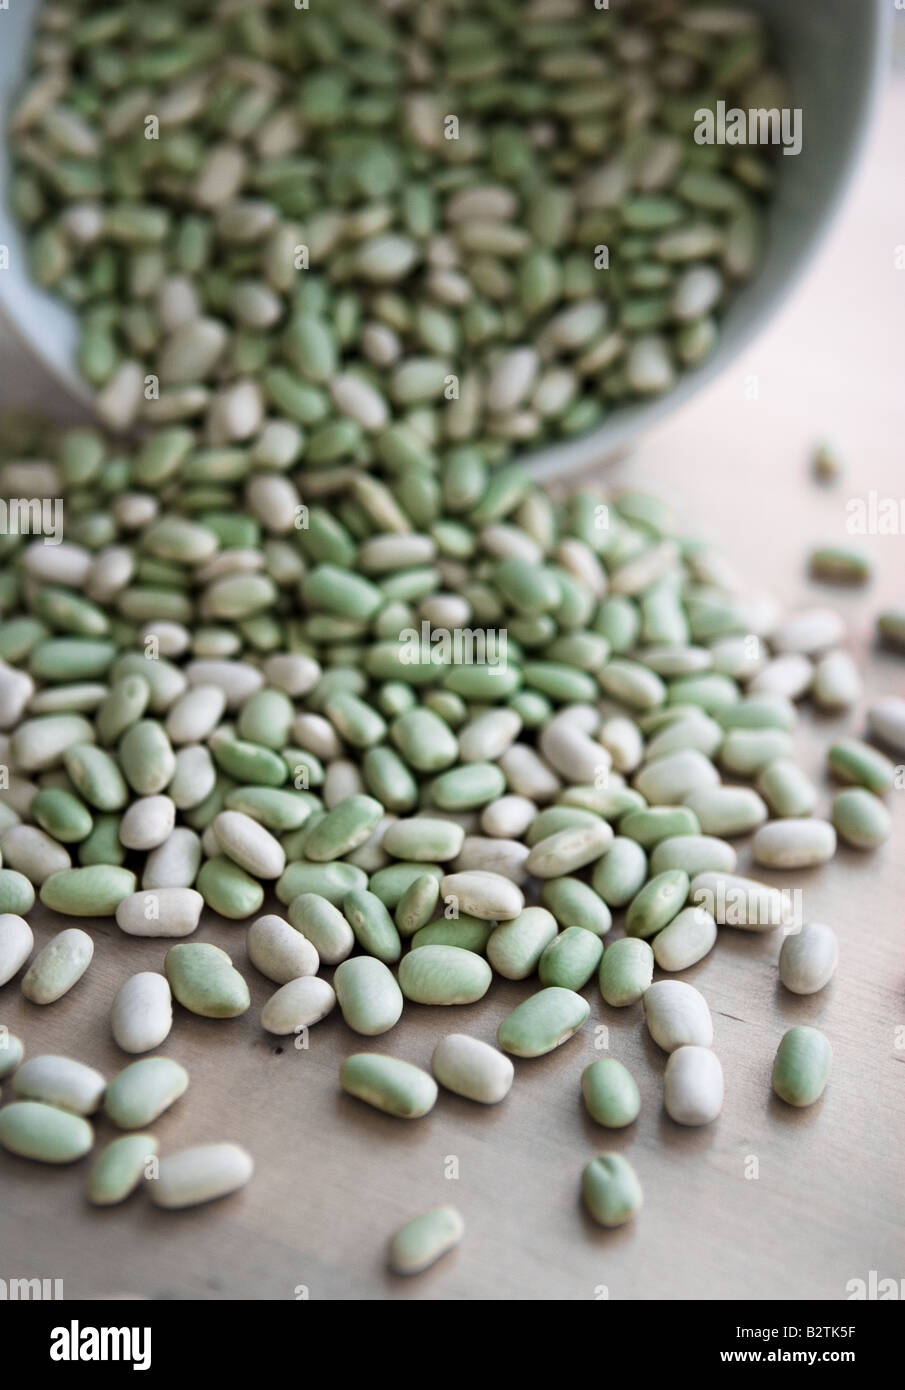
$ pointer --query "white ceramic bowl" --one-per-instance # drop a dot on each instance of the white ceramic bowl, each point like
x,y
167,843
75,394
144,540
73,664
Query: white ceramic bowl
x,y
833,56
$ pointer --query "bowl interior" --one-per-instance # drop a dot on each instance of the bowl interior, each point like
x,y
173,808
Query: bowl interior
x,y
832,57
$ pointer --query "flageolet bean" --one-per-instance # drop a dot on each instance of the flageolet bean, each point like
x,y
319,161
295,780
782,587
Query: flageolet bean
x,y
839,565
143,1091
31,852
515,947
250,845
789,675
58,966
686,940
43,1132
860,818
119,1168
194,779
528,775
734,901
727,811
794,844
146,757
94,891
392,882
331,881
668,780
469,933
886,718
195,714
368,996
444,975
160,912
421,1242
609,802
12,1050
543,1022
424,838
275,808
626,971
175,863
147,823
747,751
374,928
650,824
695,731
62,1082
16,944
621,873
552,819
570,959
802,1066
397,1088
568,850
573,753
710,691
344,828
417,905
891,628
486,737
38,744
297,1005
576,904
813,631
480,893
142,1012
472,1068
201,1174
694,853
204,981
16,893
808,958
632,684
853,761
508,817
787,789
611,1190
610,1093
324,926
836,684
227,888
424,740
677,1015
62,815
506,857
693,1086
657,903
279,950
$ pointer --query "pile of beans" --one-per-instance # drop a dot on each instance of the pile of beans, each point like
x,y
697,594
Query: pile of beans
x,y
315,636
489,220
455,733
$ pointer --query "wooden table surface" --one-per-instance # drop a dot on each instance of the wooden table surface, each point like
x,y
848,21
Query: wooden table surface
x,y
768,1202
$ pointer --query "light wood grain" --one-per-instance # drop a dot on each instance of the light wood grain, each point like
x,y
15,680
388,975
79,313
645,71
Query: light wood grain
x,y
334,1179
